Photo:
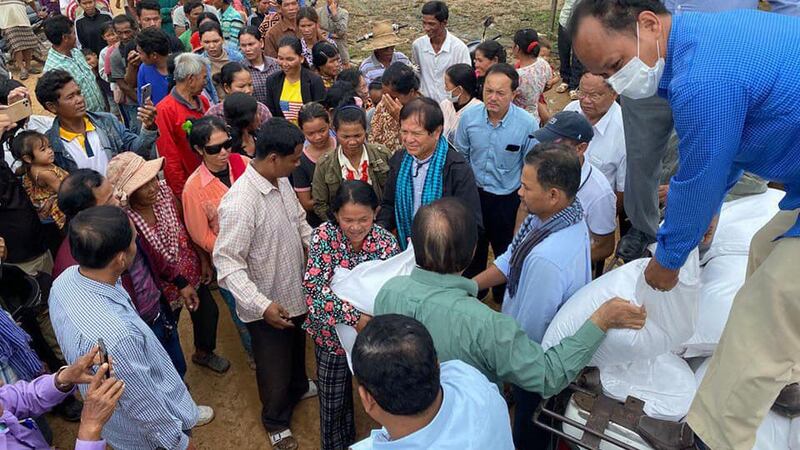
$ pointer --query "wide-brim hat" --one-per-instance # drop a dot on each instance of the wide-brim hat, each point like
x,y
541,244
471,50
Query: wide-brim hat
x,y
383,36
128,172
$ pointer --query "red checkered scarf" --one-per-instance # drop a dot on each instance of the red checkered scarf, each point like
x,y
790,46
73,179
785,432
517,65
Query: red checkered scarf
x,y
163,236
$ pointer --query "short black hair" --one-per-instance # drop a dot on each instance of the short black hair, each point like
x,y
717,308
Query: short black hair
x,y
56,27
153,40
616,15
293,42
349,114
278,135
207,15
107,26
376,84
76,191
507,70
49,85
311,111
436,9
124,18
492,50
351,75
524,39
463,75
395,360
209,27
203,128
323,51
426,110
557,166
86,51
149,5
341,93
252,31
192,5
98,234
444,235
352,191
401,78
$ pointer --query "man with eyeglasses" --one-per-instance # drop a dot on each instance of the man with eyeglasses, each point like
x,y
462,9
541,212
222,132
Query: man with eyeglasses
x,y
495,137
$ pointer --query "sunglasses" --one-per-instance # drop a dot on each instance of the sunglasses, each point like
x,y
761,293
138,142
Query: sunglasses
x,y
215,149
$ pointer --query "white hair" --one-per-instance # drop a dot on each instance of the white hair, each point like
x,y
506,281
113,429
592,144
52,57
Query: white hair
x,y
188,64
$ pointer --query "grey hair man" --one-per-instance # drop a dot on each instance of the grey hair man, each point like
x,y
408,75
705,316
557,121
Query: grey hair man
x,y
184,102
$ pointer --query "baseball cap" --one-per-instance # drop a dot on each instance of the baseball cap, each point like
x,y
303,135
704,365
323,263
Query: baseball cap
x,y
566,124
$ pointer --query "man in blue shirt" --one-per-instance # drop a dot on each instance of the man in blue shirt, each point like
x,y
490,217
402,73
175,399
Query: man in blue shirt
x,y
88,302
419,403
547,261
735,108
495,137
152,45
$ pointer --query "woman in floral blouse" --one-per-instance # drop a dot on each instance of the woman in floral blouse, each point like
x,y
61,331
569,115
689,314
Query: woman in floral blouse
x,y
534,72
347,241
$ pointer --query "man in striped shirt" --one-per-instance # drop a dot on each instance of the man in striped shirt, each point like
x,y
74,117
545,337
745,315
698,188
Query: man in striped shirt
x,y
88,302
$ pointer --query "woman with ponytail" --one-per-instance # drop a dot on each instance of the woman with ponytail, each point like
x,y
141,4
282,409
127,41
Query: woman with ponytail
x,y
534,72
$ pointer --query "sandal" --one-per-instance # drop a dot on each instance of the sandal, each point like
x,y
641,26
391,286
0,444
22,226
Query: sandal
x,y
23,74
212,361
283,440
562,88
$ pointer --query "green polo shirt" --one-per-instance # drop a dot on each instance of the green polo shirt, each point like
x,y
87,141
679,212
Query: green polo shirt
x,y
464,328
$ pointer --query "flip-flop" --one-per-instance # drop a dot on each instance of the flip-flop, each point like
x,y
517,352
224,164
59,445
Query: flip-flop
x,y
283,440
212,361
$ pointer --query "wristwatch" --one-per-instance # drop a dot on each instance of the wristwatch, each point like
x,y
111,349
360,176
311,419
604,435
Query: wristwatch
x,y
63,387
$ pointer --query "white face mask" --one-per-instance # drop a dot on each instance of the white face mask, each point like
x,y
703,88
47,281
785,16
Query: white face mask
x,y
452,97
636,79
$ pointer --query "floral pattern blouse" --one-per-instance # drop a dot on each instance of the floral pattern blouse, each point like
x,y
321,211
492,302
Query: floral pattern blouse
x,y
330,249
532,81
384,129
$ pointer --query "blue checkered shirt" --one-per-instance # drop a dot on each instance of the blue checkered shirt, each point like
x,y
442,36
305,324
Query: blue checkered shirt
x,y
156,407
735,106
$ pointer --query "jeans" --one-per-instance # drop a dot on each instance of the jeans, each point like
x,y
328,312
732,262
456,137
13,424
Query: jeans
x,y
244,335
166,330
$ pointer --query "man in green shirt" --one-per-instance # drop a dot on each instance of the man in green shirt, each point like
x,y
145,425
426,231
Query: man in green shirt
x,y
444,235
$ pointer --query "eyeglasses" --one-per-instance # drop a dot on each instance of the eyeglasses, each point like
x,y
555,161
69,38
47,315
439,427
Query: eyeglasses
x,y
595,96
215,149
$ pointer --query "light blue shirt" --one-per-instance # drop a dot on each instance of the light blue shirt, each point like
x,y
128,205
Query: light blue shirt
x,y
496,153
156,406
473,415
419,171
551,273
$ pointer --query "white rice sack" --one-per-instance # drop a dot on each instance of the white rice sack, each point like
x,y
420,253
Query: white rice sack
x,y
776,432
739,220
360,285
670,315
722,277
666,385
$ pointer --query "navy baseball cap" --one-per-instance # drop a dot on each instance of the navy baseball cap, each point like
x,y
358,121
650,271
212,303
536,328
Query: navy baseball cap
x,y
566,124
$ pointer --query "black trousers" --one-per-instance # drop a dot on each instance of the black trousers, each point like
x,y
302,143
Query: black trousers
x,y
528,436
280,357
570,69
205,320
499,214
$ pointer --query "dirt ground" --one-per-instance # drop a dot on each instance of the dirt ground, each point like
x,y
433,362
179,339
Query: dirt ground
x,y
233,395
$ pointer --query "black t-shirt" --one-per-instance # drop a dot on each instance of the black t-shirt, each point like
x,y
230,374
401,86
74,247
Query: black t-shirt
x,y
19,223
301,180
88,31
223,175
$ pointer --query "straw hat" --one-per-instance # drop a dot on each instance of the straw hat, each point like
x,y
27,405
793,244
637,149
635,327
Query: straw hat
x,y
383,36
128,171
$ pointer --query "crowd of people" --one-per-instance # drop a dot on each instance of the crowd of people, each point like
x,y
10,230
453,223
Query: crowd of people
x,y
234,148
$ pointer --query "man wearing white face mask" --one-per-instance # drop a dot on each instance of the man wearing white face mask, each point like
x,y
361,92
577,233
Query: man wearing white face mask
x,y
734,108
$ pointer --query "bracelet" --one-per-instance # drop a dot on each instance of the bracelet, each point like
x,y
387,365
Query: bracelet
x,y
63,387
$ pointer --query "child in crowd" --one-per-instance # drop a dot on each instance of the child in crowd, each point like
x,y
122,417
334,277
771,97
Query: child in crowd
x,y
94,63
41,178
104,65
375,94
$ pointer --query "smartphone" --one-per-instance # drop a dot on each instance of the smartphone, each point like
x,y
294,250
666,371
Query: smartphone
x,y
147,93
104,355
19,110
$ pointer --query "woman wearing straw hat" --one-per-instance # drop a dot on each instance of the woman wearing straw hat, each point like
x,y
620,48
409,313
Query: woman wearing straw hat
x,y
384,39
